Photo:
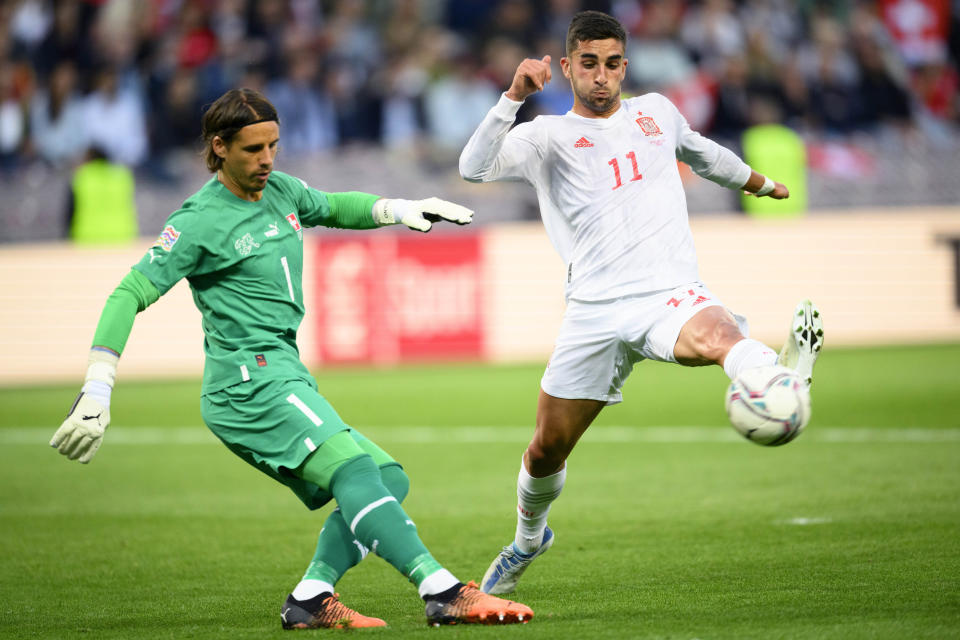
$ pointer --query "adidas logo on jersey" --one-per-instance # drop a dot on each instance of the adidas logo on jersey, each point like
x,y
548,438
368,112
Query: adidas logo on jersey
x,y
581,143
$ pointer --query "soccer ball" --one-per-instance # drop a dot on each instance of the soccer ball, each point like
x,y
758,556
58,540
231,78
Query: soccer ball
x,y
768,405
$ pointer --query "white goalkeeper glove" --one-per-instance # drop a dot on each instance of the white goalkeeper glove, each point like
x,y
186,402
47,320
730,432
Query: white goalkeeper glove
x,y
419,214
81,433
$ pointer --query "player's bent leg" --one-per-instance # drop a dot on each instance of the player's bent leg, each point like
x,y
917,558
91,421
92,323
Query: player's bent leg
x,y
803,344
313,603
707,337
338,550
377,520
560,424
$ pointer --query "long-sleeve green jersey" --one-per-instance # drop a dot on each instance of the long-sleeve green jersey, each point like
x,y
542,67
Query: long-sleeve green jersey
x,y
244,263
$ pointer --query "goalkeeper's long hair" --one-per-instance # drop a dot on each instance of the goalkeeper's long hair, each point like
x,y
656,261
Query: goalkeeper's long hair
x,y
231,112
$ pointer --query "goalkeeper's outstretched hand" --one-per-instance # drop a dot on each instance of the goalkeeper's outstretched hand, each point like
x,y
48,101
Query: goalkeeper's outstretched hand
x,y
81,433
419,214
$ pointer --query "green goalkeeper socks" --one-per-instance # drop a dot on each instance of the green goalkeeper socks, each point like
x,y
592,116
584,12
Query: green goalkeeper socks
x,y
374,517
338,549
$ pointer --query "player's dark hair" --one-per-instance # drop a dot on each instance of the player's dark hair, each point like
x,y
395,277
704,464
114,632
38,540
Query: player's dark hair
x,y
593,25
231,112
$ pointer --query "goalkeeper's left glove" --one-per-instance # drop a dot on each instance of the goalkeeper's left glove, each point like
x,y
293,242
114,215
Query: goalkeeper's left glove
x,y
81,433
419,214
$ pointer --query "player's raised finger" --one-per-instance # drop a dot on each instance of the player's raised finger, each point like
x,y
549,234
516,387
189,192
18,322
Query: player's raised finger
x,y
534,73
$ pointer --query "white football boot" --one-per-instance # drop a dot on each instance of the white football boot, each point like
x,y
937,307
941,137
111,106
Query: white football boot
x,y
506,568
805,341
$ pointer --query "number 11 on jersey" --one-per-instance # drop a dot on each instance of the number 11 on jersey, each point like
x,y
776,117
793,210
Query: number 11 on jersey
x,y
616,170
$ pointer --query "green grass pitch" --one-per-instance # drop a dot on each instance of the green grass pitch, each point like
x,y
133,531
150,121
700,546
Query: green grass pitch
x,y
670,525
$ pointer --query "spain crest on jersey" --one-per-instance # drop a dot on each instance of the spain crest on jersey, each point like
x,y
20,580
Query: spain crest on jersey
x,y
648,125
168,238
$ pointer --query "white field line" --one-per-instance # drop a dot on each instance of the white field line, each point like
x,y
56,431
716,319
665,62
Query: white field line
x,y
509,435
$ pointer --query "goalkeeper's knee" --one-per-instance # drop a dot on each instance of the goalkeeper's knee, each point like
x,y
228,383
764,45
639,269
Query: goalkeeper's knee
x,y
395,480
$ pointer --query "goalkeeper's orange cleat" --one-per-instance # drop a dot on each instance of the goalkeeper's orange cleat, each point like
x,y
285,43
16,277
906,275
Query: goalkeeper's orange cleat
x,y
472,606
323,613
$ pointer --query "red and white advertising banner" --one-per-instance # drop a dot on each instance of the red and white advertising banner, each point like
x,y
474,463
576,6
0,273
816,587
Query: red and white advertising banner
x,y
387,298
920,27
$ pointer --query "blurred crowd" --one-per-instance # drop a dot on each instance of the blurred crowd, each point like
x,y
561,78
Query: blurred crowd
x,y
131,77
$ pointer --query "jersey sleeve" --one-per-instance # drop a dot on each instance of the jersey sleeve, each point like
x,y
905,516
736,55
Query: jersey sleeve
x,y
495,152
707,158
178,251
134,294
347,210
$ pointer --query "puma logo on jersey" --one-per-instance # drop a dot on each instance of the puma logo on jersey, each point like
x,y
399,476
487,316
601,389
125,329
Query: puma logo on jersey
x,y
272,231
581,143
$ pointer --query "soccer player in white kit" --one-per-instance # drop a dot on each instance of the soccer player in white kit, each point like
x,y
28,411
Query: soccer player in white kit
x,y
613,206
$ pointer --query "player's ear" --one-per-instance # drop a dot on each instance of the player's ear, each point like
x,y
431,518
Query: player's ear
x,y
219,146
565,66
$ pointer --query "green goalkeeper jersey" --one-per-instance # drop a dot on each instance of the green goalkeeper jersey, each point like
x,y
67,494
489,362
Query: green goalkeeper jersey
x,y
244,263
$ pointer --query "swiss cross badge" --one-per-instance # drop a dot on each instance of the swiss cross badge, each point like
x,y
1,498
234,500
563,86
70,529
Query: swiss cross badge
x,y
648,125
292,219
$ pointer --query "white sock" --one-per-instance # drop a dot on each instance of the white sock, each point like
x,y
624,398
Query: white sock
x,y
437,582
534,496
311,588
747,354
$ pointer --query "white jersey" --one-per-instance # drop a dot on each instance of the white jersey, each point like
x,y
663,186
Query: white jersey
x,y
609,189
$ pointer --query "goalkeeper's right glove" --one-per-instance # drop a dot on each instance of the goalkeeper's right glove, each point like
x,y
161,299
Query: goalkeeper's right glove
x,y
81,433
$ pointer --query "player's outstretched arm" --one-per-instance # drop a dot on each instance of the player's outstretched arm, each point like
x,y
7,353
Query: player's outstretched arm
x,y
760,185
81,433
419,215
531,76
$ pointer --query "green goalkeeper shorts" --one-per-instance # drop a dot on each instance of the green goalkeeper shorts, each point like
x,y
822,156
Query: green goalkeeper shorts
x,y
275,424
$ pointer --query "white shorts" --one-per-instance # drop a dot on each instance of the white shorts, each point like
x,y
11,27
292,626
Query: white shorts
x,y
599,342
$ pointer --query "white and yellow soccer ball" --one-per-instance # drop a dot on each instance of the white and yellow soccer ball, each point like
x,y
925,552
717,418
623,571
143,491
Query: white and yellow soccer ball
x,y
768,405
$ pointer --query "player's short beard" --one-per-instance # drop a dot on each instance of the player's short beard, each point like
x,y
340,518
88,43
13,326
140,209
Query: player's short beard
x,y
599,106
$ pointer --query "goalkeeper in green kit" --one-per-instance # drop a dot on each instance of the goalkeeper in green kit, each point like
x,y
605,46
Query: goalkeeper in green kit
x,y
238,242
